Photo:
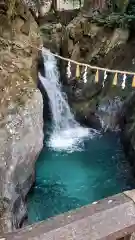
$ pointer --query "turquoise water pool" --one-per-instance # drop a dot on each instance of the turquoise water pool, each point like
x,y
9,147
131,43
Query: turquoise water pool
x,y
67,180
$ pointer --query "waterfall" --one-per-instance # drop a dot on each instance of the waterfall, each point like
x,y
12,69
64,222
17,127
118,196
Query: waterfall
x,y
67,133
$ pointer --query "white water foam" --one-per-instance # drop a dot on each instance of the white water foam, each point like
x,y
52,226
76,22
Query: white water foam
x,y
67,134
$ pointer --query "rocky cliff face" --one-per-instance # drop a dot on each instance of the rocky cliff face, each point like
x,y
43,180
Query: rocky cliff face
x,y
127,124
96,45
95,105
21,109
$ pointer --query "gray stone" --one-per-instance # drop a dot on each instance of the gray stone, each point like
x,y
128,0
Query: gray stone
x,y
21,116
20,142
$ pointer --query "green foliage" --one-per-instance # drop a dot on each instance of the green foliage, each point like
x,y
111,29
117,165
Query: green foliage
x,y
120,14
114,20
131,7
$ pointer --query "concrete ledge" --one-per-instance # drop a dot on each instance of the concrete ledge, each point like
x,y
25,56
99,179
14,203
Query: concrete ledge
x,y
110,218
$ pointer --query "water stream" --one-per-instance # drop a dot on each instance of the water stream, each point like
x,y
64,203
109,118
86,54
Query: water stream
x,y
77,165
66,133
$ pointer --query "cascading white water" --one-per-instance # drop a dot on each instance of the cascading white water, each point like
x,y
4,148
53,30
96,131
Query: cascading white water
x,y
67,133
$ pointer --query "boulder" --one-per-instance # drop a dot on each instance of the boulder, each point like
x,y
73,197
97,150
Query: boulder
x,y
21,110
